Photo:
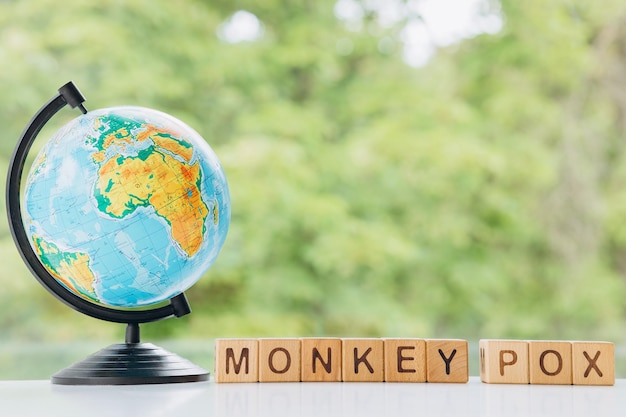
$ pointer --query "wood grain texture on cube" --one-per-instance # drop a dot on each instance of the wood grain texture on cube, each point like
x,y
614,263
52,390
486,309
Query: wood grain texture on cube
x,y
550,362
405,360
320,360
279,360
503,361
593,363
446,360
236,360
362,360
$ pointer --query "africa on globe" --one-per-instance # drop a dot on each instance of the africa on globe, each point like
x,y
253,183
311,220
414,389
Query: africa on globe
x,y
126,206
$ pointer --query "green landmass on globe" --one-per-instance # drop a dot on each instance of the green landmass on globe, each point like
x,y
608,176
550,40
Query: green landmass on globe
x,y
125,183
71,268
126,206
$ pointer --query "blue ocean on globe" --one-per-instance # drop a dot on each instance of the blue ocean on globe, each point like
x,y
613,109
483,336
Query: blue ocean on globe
x,y
126,206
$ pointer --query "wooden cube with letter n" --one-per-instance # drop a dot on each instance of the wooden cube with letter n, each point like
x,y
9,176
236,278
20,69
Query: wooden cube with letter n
x,y
321,360
503,361
550,362
279,360
446,360
405,360
362,360
593,363
236,360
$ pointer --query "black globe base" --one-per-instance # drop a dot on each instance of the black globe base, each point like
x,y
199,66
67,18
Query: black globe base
x,y
131,364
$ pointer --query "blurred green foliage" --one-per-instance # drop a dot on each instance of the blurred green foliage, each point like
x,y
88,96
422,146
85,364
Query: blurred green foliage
x,y
477,196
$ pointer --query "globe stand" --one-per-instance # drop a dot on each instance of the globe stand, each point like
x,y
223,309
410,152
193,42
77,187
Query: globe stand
x,y
129,363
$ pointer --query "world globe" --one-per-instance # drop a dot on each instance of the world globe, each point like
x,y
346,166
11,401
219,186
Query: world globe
x,y
122,210
126,206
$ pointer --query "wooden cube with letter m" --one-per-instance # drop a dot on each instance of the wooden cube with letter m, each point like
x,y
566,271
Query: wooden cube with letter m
x,y
236,360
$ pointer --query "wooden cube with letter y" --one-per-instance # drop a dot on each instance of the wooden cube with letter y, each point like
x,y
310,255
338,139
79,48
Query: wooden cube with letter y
x,y
236,360
503,361
446,360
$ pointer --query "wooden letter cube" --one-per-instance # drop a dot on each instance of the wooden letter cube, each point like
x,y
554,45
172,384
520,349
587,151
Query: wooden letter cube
x,y
321,360
362,360
405,360
504,361
550,362
446,360
593,363
236,360
279,360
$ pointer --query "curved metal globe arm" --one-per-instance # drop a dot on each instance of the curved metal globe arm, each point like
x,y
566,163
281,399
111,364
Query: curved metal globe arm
x,y
68,94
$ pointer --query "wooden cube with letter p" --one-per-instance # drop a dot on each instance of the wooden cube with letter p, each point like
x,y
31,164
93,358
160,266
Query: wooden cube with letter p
x,y
446,360
236,360
503,361
593,363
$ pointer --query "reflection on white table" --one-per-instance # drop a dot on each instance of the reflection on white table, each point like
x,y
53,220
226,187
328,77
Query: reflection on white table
x,y
40,398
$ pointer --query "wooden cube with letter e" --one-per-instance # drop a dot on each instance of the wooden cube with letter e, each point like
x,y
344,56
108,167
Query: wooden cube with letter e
x,y
503,361
405,360
236,360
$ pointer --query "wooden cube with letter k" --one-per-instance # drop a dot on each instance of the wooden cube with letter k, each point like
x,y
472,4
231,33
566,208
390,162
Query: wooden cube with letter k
x,y
362,360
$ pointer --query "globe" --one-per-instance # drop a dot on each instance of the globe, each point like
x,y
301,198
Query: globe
x,y
122,211
126,206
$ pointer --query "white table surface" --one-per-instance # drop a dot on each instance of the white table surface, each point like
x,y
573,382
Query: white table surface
x,y
41,398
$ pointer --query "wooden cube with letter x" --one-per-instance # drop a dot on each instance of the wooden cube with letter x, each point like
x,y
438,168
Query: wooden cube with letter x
x,y
236,360
503,361
593,363
446,360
